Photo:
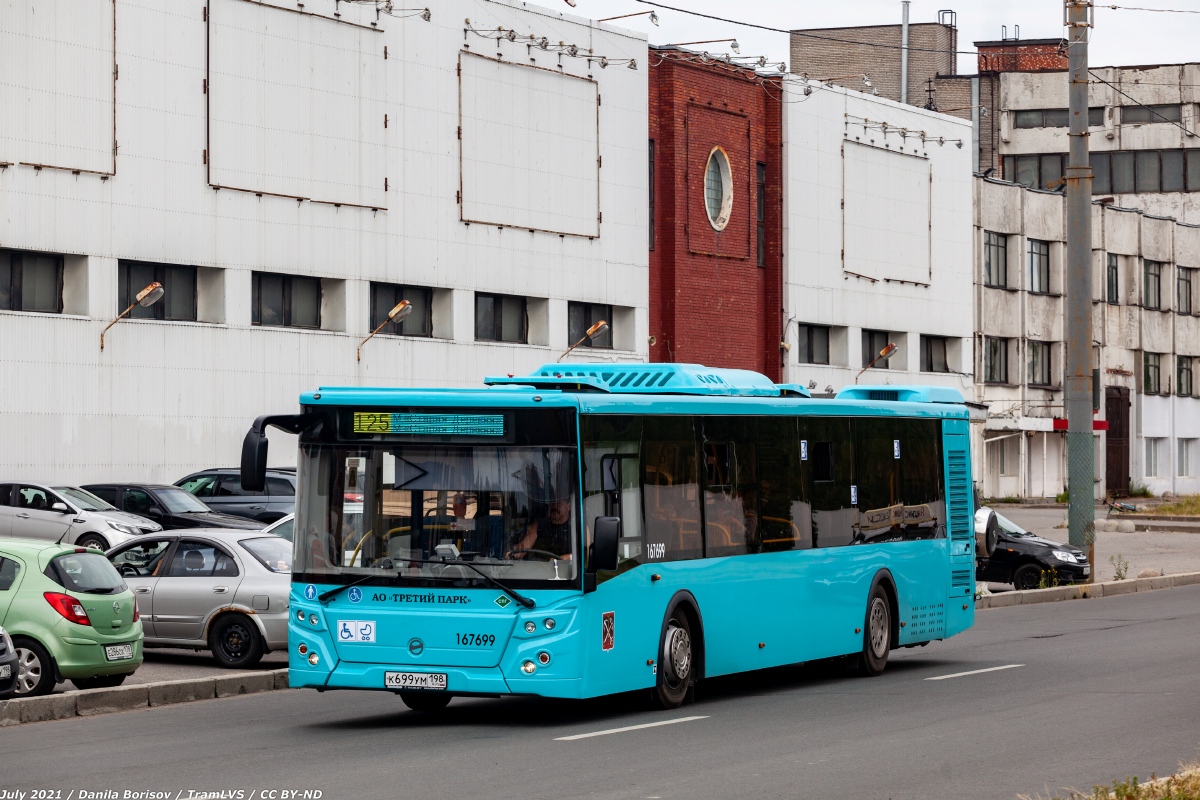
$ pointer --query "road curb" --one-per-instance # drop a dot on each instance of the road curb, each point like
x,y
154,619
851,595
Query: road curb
x,y
1085,591
144,695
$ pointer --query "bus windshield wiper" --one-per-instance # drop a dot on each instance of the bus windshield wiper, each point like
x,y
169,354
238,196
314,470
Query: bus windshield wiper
x,y
520,598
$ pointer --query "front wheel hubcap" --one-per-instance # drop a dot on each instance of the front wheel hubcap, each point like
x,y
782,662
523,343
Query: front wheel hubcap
x,y
29,671
878,627
677,655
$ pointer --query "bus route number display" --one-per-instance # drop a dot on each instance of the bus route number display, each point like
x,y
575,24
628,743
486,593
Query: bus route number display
x,y
429,424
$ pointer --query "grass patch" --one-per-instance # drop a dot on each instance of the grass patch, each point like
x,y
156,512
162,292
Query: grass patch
x,y
1188,505
1185,785
1139,490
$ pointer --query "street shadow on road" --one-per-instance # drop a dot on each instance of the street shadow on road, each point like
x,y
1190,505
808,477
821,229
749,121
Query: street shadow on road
x,y
539,712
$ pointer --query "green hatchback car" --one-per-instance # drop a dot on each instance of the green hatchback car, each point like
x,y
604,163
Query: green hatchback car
x,y
70,616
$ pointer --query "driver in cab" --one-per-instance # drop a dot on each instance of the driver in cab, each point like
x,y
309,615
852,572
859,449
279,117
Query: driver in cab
x,y
550,534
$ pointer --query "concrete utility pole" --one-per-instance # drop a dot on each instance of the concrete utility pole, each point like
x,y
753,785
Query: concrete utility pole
x,y
1081,514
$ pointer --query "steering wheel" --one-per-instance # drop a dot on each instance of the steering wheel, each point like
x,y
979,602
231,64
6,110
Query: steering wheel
x,y
130,570
524,550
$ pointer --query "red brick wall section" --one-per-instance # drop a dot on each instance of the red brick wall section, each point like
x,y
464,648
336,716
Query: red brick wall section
x,y
710,302
1022,58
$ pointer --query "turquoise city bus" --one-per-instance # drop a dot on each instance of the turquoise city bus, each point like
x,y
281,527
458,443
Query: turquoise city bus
x,y
596,529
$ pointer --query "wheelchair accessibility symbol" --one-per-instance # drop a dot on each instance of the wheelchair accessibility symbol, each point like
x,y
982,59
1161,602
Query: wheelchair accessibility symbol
x,y
356,630
355,594
310,592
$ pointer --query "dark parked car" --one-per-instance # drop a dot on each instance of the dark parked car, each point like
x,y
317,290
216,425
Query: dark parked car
x,y
221,489
1026,560
169,506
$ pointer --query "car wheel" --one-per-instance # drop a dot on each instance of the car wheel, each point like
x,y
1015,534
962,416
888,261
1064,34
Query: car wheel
x,y
425,702
1028,576
35,669
676,659
235,642
92,540
877,633
99,682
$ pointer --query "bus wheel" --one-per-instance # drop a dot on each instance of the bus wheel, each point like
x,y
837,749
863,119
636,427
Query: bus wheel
x,y
877,632
675,662
426,702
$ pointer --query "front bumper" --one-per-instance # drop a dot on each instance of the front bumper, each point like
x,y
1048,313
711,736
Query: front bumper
x,y
7,684
1073,573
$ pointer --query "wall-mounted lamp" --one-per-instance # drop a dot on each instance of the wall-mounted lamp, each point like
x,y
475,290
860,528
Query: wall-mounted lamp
x,y
145,298
592,332
784,346
397,314
886,352
653,16
733,44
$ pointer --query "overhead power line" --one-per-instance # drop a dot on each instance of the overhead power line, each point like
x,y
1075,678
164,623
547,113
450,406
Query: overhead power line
x,y
1160,10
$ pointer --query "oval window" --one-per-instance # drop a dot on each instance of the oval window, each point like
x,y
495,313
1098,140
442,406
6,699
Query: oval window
x,y
718,189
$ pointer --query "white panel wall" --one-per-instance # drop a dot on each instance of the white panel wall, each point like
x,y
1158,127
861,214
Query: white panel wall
x,y
886,212
529,147
296,103
56,83
164,398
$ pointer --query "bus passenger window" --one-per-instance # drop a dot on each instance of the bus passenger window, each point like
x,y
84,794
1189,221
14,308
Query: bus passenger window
x,y
921,473
833,514
671,493
730,502
877,473
785,521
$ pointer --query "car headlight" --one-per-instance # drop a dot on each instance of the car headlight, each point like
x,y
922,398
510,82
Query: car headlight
x,y
117,526
1069,558
8,645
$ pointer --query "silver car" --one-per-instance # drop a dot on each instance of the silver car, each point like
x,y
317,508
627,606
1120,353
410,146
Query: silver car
x,y
67,514
220,589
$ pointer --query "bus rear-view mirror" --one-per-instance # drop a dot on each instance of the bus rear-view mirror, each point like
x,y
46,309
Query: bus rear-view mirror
x,y
605,538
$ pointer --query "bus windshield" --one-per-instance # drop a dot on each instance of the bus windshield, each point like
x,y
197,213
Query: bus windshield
x,y
411,513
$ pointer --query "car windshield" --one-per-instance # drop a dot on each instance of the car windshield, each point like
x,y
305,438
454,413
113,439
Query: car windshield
x,y
83,500
272,552
1010,527
178,501
510,510
88,573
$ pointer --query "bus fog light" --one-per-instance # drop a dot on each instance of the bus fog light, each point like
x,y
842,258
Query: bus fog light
x,y
300,615
302,649
543,658
549,623
313,658
529,668
530,626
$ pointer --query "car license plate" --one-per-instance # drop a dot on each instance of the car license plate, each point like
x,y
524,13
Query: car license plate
x,y
415,680
1087,570
118,652
6,671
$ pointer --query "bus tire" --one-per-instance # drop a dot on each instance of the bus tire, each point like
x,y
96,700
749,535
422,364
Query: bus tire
x,y
425,702
877,632
676,662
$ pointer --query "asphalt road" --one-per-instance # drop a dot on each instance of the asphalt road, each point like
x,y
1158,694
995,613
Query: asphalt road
x,y
1106,688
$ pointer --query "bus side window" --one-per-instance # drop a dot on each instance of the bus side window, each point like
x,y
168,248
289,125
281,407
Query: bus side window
x,y
832,480
731,486
877,450
921,471
785,521
671,490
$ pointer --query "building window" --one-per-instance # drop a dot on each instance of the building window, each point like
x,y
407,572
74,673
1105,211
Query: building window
x,y
1152,285
813,344
1183,290
995,259
1152,113
1183,375
1150,373
581,316
1153,449
1039,363
651,194
1036,171
1187,457
1144,171
179,290
995,360
873,343
1039,266
501,318
1054,118
933,354
386,296
718,189
1113,294
288,301
761,213
30,281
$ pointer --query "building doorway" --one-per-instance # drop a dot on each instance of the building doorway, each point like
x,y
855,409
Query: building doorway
x,y
1116,453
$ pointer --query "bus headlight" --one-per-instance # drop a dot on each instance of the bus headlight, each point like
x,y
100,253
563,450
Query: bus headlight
x,y
312,619
530,626
529,668
300,615
549,623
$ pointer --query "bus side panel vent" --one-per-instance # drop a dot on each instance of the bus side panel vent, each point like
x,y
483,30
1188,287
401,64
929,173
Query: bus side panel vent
x,y
959,491
960,578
